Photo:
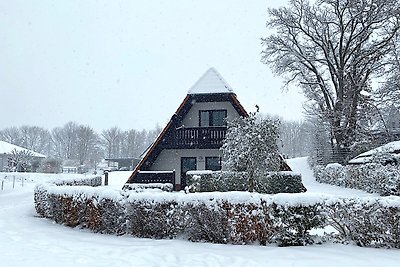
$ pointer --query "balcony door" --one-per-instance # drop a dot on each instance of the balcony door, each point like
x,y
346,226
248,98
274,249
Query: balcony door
x,y
187,164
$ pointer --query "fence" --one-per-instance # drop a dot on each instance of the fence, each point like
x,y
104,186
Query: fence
x,y
11,182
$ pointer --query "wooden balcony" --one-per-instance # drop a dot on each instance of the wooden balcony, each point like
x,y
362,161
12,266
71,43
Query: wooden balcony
x,y
196,137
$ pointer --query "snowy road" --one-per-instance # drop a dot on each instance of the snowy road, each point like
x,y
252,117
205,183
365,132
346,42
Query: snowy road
x,y
27,240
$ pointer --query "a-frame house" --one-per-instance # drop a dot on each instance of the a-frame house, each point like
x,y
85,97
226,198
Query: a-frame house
x,y
193,137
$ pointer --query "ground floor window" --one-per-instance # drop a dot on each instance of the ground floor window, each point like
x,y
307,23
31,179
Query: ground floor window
x,y
213,163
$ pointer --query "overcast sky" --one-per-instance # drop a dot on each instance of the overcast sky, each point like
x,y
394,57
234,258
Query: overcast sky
x,y
130,63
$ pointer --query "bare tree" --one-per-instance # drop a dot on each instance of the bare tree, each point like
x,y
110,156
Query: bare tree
x,y
112,141
332,49
389,93
295,138
11,135
86,141
35,138
65,140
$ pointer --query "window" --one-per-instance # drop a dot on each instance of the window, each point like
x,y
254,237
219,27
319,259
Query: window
x,y
213,163
212,118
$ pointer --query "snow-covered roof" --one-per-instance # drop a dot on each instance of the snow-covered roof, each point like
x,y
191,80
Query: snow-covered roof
x,y
210,83
365,157
7,148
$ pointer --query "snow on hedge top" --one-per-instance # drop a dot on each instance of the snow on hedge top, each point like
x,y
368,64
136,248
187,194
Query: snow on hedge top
x,y
210,83
7,148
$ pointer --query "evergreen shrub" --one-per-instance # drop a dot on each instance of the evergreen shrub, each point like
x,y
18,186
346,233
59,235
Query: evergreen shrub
x,y
269,183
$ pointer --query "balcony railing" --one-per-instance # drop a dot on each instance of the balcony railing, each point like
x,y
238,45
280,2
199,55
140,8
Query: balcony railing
x,y
197,137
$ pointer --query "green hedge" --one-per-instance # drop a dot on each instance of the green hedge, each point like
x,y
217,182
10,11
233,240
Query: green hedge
x,y
371,177
229,217
269,183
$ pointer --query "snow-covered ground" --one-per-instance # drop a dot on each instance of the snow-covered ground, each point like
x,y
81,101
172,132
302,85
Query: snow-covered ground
x,y
27,240
300,165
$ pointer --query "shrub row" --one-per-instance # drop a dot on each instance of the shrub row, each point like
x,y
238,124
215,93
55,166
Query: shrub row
x,y
236,217
371,177
371,222
75,181
231,217
269,183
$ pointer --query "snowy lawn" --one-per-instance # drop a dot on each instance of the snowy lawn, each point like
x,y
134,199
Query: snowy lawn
x,y
27,240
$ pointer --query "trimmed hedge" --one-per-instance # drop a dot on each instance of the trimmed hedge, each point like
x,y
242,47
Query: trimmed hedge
x,y
371,177
230,217
222,181
368,222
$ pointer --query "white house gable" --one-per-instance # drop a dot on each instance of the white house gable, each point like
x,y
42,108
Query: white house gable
x,y
193,137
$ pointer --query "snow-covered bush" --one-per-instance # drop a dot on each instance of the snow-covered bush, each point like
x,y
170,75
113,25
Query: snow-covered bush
x,y
250,145
75,181
295,222
167,187
371,177
206,222
153,219
105,215
375,178
47,203
331,174
223,217
266,183
371,222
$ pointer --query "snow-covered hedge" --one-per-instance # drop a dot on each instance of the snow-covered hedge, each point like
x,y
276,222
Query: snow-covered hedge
x,y
371,177
167,187
270,183
371,222
74,181
43,203
223,217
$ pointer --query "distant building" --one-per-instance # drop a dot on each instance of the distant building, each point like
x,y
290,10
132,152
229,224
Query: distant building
x,y
125,164
6,150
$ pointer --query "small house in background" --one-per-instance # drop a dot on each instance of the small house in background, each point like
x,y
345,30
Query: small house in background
x,y
193,137
123,164
7,163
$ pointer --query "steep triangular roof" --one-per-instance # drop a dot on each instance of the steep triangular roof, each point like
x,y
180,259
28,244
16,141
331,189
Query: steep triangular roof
x,y
210,83
210,86
7,148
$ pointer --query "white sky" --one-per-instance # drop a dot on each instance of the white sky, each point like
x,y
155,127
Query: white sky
x,y
130,63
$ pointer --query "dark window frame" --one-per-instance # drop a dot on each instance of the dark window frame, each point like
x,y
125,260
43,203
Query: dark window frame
x,y
211,116
183,175
219,165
